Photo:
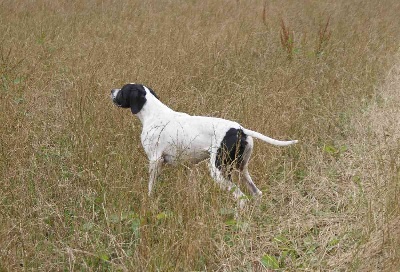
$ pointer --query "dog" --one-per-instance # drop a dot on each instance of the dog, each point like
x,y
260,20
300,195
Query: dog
x,y
169,136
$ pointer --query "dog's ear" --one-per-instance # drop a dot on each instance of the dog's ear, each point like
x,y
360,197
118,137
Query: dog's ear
x,y
137,99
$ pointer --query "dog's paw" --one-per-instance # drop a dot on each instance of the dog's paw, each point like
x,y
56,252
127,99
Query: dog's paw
x,y
242,203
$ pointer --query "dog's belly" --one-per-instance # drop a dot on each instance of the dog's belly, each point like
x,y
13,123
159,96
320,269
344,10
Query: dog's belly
x,y
185,155
199,156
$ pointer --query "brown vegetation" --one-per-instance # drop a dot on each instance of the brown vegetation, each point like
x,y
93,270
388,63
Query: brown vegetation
x,y
73,176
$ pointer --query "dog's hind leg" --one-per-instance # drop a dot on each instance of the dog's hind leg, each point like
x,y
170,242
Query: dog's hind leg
x,y
249,182
224,180
244,168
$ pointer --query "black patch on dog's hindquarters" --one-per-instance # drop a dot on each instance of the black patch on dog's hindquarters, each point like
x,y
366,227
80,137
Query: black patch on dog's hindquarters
x,y
230,153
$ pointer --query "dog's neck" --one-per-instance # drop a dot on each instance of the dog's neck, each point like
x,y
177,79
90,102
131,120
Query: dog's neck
x,y
152,108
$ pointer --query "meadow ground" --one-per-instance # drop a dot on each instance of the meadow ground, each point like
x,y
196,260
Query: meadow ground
x,y
73,176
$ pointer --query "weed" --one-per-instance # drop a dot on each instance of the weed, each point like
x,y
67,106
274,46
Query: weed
x,y
324,35
287,39
264,13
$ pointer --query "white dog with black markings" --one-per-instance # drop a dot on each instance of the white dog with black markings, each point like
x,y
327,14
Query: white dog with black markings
x,y
169,136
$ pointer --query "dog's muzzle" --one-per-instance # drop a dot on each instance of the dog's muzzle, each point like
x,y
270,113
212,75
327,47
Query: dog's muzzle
x,y
114,93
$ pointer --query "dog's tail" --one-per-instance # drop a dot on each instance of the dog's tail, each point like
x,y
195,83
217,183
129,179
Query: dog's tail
x,y
267,139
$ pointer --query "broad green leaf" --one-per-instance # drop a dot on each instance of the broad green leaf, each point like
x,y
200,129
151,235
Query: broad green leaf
x,y
269,261
330,149
162,215
104,257
230,222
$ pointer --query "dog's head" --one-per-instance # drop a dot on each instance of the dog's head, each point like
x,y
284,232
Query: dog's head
x,y
131,96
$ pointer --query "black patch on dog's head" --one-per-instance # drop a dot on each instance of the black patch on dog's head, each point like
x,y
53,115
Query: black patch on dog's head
x,y
131,96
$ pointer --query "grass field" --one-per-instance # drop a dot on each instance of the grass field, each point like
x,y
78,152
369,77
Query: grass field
x,y
73,175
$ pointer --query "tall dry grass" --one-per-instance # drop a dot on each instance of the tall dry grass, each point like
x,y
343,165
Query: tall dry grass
x,y
73,174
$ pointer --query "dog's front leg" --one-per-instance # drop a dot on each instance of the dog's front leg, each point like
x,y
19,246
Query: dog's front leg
x,y
154,170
